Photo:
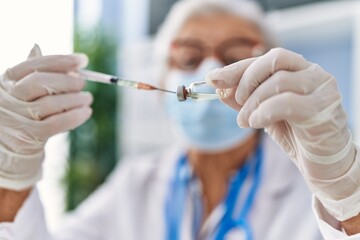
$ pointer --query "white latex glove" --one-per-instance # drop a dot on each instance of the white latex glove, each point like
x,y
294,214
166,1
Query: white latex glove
x,y
38,99
299,105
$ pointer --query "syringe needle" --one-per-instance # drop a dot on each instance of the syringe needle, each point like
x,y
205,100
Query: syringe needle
x,y
146,86
110,79
164,90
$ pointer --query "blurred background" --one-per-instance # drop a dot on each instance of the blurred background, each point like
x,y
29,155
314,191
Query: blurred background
x,y
117,35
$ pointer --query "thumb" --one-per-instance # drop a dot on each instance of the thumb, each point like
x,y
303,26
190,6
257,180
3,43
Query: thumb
x,y
35,52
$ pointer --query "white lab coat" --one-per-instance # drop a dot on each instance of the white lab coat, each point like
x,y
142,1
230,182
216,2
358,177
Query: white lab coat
x,y
130,206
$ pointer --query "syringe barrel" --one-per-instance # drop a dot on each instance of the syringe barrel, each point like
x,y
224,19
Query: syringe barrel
x,y
96,76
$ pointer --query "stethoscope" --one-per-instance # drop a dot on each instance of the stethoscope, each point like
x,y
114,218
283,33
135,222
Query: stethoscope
x,y
179,186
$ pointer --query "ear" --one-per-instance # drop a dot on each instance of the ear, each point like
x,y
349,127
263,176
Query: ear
x,y
35,52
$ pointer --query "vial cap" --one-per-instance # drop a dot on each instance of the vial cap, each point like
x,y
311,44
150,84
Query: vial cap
x,y
181,93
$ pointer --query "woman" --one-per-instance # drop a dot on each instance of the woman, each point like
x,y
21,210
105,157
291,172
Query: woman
x,y
227,183
223,160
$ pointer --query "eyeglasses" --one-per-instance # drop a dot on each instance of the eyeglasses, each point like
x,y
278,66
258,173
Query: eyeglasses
x,y
187,54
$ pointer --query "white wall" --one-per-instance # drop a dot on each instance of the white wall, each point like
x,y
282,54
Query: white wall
x,y
143,126
23,23
48,23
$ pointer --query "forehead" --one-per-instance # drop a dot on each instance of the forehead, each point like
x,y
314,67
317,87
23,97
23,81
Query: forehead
x,y
216,27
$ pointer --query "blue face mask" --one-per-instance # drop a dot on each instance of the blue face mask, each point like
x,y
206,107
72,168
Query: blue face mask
x,y
207,125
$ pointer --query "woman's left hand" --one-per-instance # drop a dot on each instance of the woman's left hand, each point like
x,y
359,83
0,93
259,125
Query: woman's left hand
x,y
300,107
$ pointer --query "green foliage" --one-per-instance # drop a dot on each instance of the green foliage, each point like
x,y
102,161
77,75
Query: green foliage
x,y
93,145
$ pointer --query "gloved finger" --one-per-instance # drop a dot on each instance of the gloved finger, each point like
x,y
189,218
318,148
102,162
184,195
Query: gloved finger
x,y
39,84
286,106
301,82
52,63
65,121
228,98
51,105
265,66
296,108
35,52
228,76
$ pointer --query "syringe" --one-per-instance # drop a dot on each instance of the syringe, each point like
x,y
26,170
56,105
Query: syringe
x,y
110,79
182,92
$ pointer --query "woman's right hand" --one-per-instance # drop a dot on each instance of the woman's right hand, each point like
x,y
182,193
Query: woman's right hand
x,y
38,99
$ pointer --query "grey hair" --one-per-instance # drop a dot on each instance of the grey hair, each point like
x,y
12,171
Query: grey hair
x,y
185,9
